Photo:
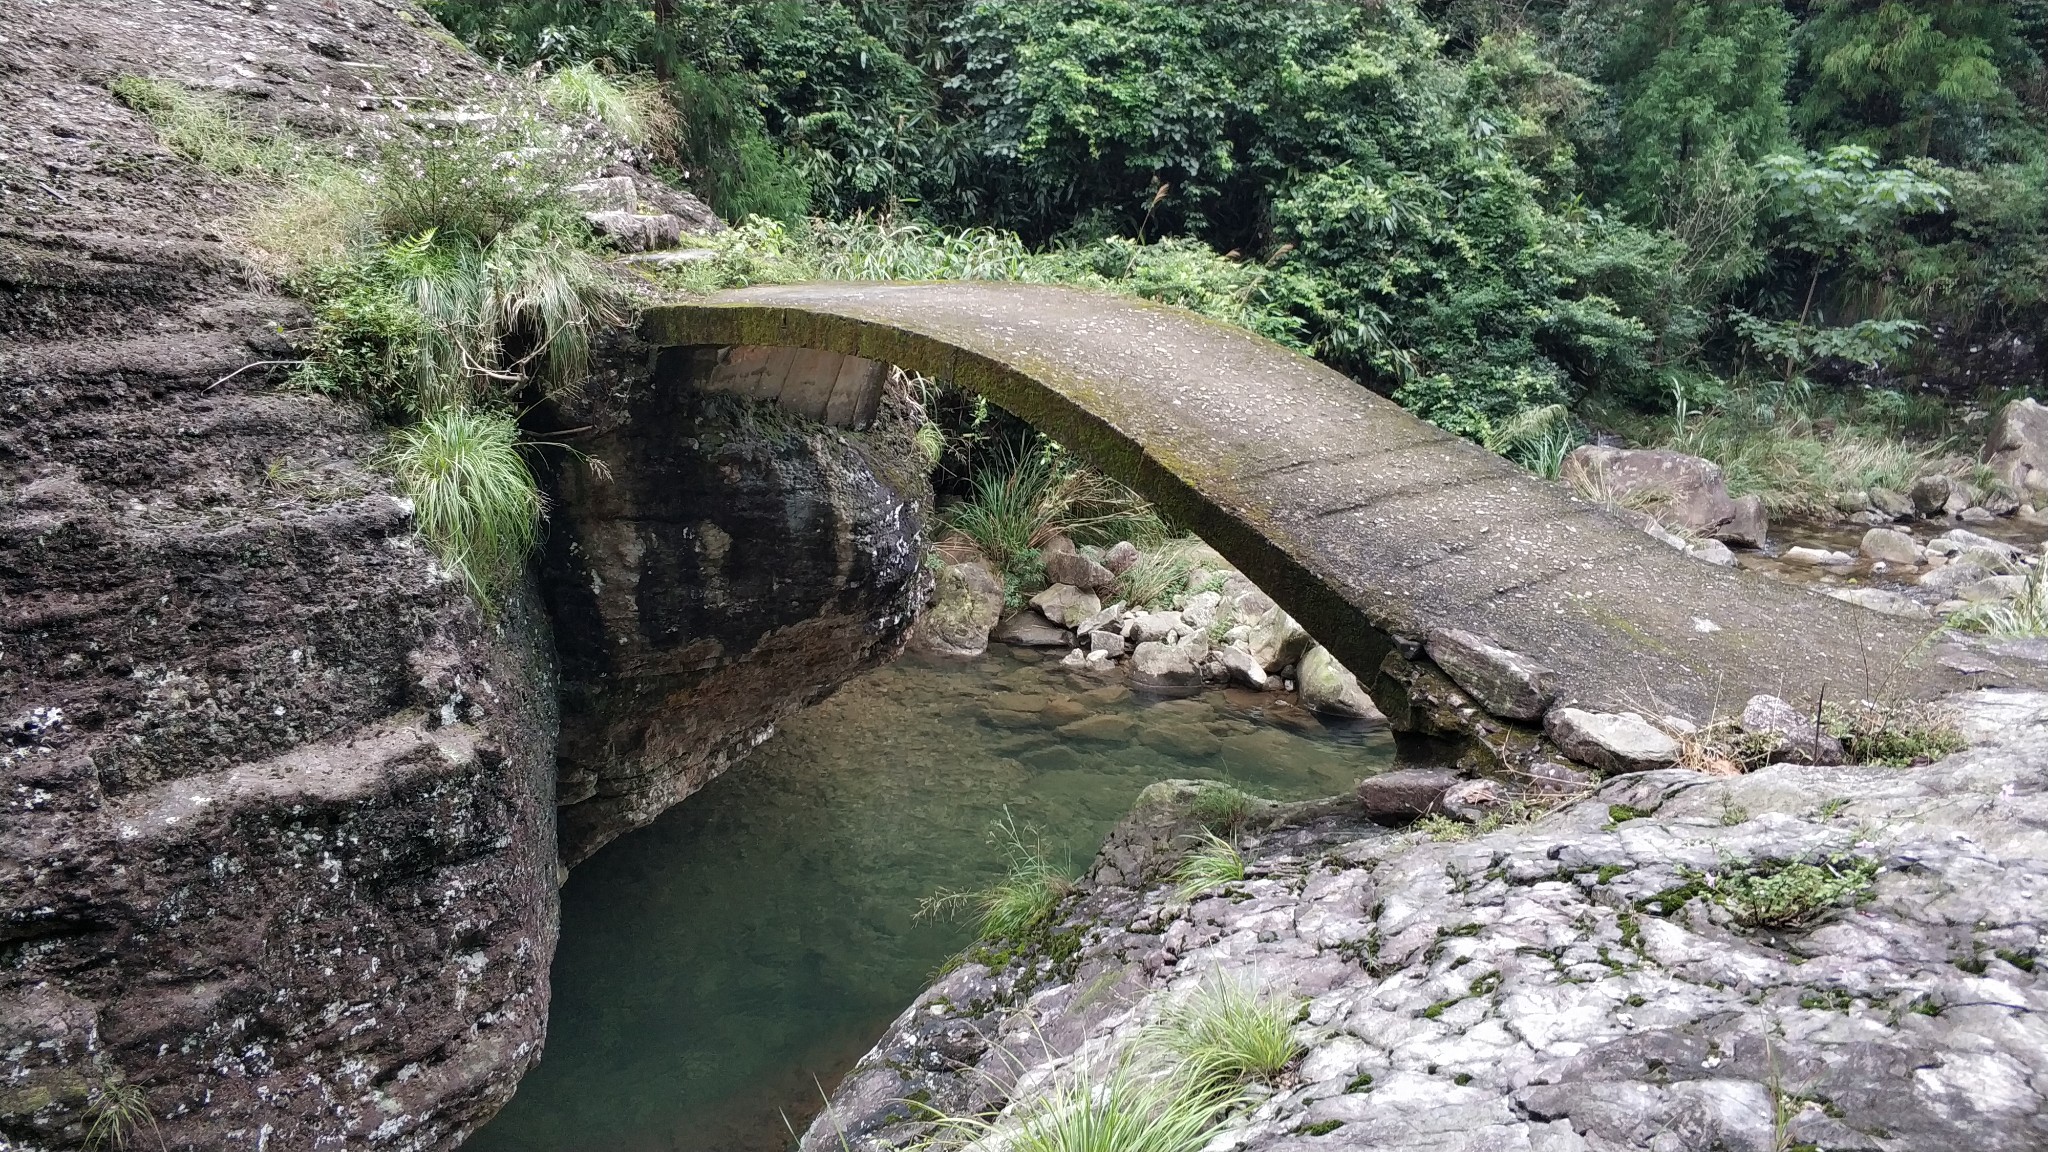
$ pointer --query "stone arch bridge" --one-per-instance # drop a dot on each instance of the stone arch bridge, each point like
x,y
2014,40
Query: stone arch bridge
x,y
1374,529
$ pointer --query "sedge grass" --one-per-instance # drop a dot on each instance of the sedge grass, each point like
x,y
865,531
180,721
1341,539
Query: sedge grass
x,y
474,499
1022,898
1130,1109
633,107
2024,617
1228,1032
1212,863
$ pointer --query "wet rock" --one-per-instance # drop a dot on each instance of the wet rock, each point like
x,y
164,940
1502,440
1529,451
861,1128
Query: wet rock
x,y
1241,669
1155,665
1992,589
1329,688
2017,446
1611,742
966,605
1798,738
1930,494
1955,576
1818,557
1505,683
1066,605
1275,640
1676,488
1890,546
1712,552
1079,571
1883,600
1405,793
1110,644
1121,557
1028,629
1962,540
1976,515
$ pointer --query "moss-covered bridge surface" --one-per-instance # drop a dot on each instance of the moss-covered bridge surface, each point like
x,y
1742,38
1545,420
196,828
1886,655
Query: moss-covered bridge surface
x,y
1370,526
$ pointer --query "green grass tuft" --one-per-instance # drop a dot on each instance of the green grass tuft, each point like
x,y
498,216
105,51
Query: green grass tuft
x,y
1229,1032
1213,863
119,1114
1160,575
204,128
473,497
1026,894
1132,1109
1022,495
2025,617
633,106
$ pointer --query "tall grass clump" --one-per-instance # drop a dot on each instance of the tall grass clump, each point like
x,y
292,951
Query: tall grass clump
x,y
632,107
1160,574
473,497
1021,899
1229,1032
120,1114
204,128
1023,494
1132,1109
2024,617
1212,863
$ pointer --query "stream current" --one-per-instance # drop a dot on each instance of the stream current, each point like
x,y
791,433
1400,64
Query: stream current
x,y
720,969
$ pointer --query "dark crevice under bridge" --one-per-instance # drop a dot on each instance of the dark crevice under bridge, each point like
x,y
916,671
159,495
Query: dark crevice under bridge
x,y
1371,527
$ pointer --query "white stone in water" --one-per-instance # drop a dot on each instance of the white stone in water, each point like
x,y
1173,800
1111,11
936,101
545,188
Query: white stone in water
x,y
1074,659
1816,556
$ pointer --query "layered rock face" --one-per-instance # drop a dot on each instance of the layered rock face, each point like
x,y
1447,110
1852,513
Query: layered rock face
x,y
1843,958
726,565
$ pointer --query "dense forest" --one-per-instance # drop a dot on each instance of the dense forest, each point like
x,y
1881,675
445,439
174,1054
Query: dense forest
x,y
1739,225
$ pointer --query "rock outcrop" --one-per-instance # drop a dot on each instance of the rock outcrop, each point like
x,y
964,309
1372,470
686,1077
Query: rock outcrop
x,y
1628,972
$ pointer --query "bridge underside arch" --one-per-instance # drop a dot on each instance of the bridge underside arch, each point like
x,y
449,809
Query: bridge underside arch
x,y
1374,529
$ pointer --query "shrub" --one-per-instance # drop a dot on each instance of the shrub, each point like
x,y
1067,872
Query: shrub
x,y
1229,1032
473,497
1774,894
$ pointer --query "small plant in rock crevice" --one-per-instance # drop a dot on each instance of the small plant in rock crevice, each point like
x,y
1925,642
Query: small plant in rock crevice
x,y
1774,894
1212,863
473,496
120,1114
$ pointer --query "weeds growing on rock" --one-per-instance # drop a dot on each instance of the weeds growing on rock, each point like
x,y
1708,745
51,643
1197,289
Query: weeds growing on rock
x,y
1229,1032
1213,863
1774,894
2024,617
119,1115
632,107
473,496
1160,575
1223,808
1023,495
1031,886
204,128
1898,734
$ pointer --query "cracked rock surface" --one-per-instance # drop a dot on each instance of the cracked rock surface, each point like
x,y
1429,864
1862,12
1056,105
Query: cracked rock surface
x,y
1578,983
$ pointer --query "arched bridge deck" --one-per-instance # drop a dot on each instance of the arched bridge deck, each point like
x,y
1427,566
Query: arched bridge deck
x,y
1371,527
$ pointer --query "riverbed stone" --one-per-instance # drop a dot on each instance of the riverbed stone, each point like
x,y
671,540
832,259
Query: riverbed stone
x,y
1201,609
1884,600
1956,575
1107,618
2016,448
1028,629
1079,571
1110,644
967,603
1275,640
1241,668
1157,665
1930,494
1151,627
1121,557
1816,557
1891,503
1505,683
1681,490
1405,793
1962,540
1328,687
1892,547
1793,734
1992,589
1711,552
1065,604
1612,742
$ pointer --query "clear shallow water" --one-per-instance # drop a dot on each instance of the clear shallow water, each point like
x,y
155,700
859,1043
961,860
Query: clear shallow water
x,y
721,966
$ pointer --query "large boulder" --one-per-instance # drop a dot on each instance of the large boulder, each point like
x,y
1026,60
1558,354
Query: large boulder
x,y
1405,793
1681,490
1158,666
966,605
1890,546
2017,447
1612,742
1329,688
1027,629
1079,571
1066,605
1505,683
1275,640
